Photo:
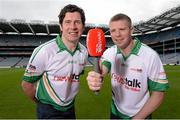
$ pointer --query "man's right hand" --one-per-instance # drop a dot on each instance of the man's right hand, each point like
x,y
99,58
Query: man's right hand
x,y
94,80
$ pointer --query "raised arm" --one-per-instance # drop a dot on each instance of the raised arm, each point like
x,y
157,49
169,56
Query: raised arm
x,y
95,80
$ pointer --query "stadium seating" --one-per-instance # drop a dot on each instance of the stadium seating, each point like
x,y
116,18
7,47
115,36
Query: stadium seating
x,y
9,61
18,38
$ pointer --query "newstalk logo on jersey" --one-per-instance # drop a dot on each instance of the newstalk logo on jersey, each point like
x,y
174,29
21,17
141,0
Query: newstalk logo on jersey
x,y
31,67
137,70
133,85
72,78
30,71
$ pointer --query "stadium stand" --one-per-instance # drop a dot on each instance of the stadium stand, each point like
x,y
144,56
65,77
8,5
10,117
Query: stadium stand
x,y
19,38
9,62
23,62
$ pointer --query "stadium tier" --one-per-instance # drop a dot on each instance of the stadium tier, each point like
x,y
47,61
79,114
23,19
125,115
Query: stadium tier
x,y
18,38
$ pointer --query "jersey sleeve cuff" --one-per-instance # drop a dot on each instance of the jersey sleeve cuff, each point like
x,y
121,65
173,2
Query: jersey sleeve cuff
x,y
31,79
155,86
107,64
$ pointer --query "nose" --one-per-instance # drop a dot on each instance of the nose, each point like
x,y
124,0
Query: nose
x,y
117,33
73,25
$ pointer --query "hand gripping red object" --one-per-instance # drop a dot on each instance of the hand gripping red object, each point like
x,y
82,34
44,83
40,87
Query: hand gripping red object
x,y
96,45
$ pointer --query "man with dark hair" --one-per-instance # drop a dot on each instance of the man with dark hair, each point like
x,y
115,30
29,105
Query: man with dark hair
x,y
51,78
136,70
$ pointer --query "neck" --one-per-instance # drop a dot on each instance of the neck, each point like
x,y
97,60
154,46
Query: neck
x,y
71,45
126,51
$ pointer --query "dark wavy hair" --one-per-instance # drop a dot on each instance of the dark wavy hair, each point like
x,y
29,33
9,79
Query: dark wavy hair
x,y
71,8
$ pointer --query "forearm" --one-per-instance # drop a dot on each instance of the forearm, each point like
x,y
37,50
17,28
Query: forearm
x,y
29,89
95,80
151,105
104,70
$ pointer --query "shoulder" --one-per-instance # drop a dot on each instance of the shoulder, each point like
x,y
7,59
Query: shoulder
x,y
110,53
49,44
148,54
145,49
46,47
83,48
112,49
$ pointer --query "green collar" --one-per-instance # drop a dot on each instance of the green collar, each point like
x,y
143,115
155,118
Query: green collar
x,y
134,51
62,47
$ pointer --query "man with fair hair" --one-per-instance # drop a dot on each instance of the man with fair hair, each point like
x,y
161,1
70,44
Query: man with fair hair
x,y
136,71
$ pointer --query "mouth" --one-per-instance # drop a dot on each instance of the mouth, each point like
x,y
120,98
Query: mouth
x,y
118,40
73,33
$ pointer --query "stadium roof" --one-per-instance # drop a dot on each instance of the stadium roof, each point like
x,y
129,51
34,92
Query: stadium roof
x,y
168,19
19,26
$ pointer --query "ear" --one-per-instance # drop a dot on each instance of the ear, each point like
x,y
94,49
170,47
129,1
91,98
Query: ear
x,y
132,30
60,26
83,28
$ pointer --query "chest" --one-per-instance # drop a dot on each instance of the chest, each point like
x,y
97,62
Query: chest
x,y
65,63
134,66
130,74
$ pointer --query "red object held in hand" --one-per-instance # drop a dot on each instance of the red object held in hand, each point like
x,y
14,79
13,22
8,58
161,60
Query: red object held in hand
x,y
96,43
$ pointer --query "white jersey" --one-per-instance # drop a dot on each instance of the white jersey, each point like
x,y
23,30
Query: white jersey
x,y
133,77
57,71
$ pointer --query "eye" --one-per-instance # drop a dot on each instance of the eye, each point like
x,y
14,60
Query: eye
x,y
78,22
112,30
67,21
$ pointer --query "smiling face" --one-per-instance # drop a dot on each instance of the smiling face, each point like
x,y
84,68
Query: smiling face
x,y
121,31
72,27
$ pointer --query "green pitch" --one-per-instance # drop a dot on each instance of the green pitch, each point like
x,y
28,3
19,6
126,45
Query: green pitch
x,y
14,104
